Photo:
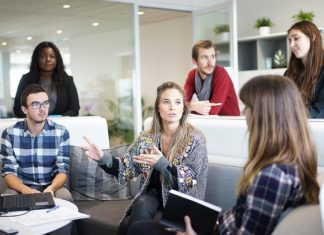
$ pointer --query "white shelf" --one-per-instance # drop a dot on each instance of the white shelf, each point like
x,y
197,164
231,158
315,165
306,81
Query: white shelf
x,y
257,37
255,52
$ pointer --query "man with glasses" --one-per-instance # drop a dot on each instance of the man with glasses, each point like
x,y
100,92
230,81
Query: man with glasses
x,y
35,152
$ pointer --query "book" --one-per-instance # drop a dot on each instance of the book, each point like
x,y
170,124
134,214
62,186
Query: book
x,y
203,215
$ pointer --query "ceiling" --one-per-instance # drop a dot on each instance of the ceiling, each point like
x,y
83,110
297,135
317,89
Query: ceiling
x,y
40,19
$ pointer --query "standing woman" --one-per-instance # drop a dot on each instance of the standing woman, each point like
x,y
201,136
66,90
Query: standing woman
x,y
306,65
280,172
171,155
47,69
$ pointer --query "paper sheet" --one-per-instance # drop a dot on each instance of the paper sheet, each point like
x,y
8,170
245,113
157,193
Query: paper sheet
x,y
40,217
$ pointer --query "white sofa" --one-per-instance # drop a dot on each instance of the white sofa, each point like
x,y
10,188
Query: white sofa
x,y
227,138
94,127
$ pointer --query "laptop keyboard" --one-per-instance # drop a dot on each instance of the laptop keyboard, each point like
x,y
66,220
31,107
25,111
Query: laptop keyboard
x,y
18,201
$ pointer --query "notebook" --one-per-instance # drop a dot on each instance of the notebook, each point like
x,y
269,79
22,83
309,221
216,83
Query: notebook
x,y
23,202
203,215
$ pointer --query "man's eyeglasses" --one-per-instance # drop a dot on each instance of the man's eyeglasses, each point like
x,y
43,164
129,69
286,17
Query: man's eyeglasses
x,y
37,105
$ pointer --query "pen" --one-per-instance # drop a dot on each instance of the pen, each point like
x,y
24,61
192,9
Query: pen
x,y
52,209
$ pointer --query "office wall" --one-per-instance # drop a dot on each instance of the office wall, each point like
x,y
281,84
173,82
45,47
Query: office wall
x,y
165,54
280,12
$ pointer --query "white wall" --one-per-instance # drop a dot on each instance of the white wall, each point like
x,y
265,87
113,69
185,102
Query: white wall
x,y
165,54
280,12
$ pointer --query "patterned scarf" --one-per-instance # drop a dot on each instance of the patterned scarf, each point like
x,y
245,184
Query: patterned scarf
x,y
203,91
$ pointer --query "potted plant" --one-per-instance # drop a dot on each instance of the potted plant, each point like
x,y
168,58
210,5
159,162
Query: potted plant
x,y
223,31
120,122
263,24
304,15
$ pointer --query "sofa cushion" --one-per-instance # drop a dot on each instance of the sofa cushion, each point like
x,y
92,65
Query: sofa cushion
x,y
88,181
301,220
221,185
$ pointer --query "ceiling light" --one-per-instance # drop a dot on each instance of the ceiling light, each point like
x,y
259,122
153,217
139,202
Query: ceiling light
x,y
4,43
59,31
18,51
66,6
29,38
140,13
95,24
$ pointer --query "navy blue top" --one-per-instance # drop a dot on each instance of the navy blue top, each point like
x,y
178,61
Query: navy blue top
x,y
316,109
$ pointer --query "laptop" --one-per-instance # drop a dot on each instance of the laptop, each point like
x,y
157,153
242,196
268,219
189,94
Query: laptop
x,y
25,202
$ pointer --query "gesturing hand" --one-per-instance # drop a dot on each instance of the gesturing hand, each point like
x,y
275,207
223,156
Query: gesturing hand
x,y
93,151
149,157
202,107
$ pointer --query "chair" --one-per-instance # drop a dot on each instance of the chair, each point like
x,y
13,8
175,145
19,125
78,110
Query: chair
x,y
321,199
306,219
300,221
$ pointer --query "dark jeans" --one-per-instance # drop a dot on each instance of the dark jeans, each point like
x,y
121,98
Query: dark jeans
x,y
145,207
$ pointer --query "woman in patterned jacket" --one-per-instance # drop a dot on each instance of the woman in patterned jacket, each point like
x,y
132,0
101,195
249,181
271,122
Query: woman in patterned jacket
x,y
281,169
171,155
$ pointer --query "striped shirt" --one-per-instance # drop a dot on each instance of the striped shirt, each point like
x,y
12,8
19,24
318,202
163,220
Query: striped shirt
x,y
35,159
274,189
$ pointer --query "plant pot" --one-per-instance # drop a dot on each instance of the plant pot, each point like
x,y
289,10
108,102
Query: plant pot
x,y
264,30
224,37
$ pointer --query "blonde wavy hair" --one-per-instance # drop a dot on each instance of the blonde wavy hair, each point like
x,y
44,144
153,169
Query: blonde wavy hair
x,y
278,132
180,139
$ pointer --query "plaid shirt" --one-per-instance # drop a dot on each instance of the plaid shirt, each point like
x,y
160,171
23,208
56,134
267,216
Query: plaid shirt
x,y
35,159
274,189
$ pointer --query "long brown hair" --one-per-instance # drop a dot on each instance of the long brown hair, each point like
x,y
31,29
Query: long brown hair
x,y
181,136
306,76
278,132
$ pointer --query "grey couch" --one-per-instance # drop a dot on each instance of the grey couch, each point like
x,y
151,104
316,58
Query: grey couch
x,y
105,216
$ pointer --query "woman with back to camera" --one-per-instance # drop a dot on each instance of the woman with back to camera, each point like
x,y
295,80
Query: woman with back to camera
x,y
280,172
47,69
171,155
306,65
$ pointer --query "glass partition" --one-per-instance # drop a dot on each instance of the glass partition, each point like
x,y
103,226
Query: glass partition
x,y
214,25
96,40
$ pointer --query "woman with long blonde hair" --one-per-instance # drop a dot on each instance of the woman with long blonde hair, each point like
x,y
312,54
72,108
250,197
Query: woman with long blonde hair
x,y
280,172
171,155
